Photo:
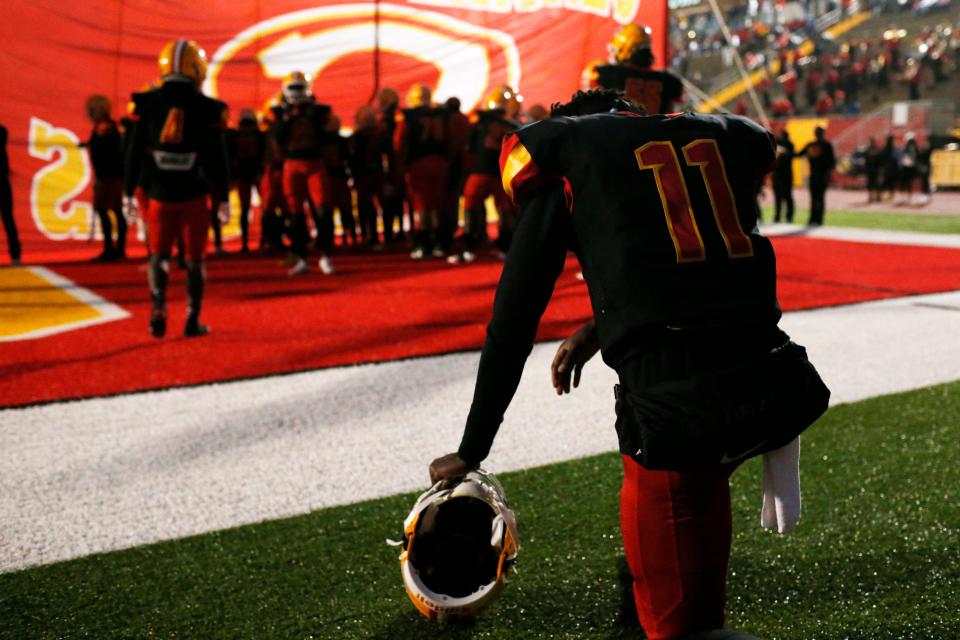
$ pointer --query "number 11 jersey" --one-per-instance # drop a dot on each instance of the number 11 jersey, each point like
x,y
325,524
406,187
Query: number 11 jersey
x,y
663,211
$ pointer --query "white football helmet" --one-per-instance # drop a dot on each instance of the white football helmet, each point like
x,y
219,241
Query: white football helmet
x,y
459,544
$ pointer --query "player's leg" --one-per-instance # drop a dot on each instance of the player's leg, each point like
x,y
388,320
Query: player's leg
x,y
163,227
114,194
295,191
244,189
195,230
9,224
321,191
101,205
676,533
475,193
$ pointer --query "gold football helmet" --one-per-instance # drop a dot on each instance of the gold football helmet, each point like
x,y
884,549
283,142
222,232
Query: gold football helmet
x,y
631,45
506,98
419,95
183,59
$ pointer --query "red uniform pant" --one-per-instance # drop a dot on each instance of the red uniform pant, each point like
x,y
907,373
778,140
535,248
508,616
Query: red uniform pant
x,y
479,187
304,180
271,191
426,180
168,220
676,534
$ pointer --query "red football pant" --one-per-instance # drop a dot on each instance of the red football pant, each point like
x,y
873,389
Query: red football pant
x,y
168,220
426,182
481,186
304,180
676,534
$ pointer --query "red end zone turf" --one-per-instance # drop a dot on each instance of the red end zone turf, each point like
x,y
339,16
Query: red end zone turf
x,y
377,307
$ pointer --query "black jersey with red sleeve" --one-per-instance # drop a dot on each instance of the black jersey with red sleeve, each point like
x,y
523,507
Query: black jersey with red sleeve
x,y
664,214
177,150
655,91
421,132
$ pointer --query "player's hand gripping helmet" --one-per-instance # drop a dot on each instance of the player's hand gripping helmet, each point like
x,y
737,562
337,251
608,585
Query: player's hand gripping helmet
x,y
296,88
459,543
631,45
183,60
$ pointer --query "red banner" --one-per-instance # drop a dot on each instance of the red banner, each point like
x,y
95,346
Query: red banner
x,y
55,54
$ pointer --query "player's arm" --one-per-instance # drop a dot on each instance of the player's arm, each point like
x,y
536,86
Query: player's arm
x,y
216,155
136,148
535,261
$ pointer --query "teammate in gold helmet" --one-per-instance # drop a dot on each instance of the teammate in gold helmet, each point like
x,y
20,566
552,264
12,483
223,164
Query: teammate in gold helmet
x,y
419,95
632,45
505,98
630,70
183,60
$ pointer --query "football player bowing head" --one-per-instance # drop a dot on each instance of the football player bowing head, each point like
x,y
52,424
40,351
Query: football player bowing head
x,y
661,213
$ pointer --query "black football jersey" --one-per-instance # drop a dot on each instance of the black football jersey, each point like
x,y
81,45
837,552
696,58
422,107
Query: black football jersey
x,y
655,91
302,131
486,137
663,212
425,131
177,149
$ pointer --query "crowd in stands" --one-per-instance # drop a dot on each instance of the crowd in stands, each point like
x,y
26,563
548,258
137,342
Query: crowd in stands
x,y
838,76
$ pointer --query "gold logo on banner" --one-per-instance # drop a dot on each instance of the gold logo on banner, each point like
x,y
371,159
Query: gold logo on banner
x,y
459,51
52,204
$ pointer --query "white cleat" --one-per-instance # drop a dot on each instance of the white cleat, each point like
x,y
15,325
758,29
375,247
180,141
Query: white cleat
x,y
301,267
417,254
325,266
468,256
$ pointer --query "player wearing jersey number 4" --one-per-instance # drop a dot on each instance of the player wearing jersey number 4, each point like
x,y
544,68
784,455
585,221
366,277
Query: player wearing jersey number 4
x,y
661,213
178,154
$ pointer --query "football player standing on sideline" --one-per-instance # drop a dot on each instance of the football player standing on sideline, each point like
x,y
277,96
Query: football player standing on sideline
x,y
422,143
661,211
106,155
301,132
822,161
178,154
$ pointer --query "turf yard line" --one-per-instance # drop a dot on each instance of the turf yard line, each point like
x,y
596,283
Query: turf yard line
x,y
876,555
108,473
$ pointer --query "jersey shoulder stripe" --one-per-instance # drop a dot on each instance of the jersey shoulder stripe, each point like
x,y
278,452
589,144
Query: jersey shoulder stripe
x,y
514,161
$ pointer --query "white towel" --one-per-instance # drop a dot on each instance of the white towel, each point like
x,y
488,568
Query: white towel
x,y
781,488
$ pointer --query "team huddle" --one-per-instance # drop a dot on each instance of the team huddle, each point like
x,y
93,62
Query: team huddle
x,y
660,210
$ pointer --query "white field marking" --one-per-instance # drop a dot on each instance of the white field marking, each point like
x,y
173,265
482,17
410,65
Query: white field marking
x,y
851,234
107,310
109,473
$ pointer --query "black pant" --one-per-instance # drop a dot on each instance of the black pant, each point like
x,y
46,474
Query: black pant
x,y
9,224
782,196
818,191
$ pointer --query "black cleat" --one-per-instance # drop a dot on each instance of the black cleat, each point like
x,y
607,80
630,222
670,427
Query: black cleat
x,y
158,323
193,329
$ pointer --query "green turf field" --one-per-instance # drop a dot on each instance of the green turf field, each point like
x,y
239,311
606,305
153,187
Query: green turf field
x,y
928,223
876,556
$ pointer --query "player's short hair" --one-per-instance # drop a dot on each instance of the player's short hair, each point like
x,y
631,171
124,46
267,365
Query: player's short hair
x,y
584,103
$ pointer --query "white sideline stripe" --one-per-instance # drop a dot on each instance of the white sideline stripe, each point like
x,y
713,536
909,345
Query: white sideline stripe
x,y
109,473
851,234
107,310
